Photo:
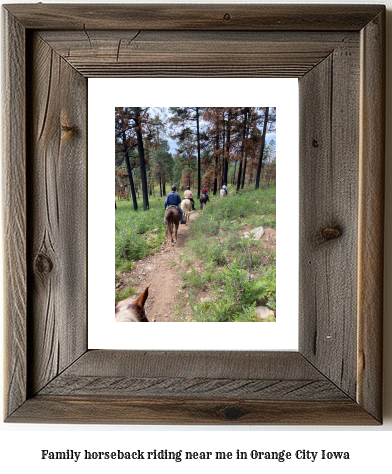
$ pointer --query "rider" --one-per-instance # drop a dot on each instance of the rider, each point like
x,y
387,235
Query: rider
x,y
205,191
173,199
224,187
188,195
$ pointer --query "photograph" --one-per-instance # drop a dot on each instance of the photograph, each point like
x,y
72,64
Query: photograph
x,y
216,219
195,214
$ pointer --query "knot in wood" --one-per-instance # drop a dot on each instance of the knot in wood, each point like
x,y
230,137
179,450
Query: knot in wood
x,y
43,264
232,413
227,16
68,128
315,143
328,233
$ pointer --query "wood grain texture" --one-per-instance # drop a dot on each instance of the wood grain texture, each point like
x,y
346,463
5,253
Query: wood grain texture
x,y
128,410
206,364
193,17
14,208
329,98
335,378
192,387
196,53
57,210
208,375
371,216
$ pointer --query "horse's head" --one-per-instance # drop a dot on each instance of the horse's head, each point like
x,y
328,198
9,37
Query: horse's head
x,y
132,310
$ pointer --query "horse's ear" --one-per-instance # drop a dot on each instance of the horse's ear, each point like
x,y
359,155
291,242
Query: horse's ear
x,y
142,298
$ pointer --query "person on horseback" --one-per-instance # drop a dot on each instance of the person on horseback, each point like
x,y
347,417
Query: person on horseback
x,y
188,195
173,199
224,187
205,191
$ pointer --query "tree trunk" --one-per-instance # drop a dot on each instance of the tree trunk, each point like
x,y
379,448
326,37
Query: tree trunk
x,y
227,148
262,148
245,161
242,149
142,161
198,153
222,168
134,200
235,168
239,175
160,184
164,188
216,163
244,173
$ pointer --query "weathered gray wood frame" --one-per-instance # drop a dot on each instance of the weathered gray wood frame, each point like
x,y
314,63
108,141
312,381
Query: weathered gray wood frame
x,y
337,52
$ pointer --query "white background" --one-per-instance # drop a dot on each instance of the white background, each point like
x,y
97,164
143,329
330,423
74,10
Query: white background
x,y
20,445
103,333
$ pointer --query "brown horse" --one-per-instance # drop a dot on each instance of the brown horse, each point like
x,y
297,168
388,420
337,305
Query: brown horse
x,y
132,310
203,201
173,218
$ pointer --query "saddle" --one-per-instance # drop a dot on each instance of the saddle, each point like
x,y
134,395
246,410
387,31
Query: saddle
x,y
172,206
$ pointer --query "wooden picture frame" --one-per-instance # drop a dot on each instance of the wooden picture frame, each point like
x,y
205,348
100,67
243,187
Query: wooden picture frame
x,y
338,54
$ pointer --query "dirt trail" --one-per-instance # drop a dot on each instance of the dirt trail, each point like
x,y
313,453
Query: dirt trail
x,y
161,275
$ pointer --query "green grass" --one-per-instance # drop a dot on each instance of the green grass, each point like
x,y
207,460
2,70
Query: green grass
x,y
138,233
238,273
122,295
248,206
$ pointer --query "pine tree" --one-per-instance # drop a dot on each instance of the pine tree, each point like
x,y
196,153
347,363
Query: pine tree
x,y
186,125
138,118
138,128
214,117
124,142
162,164
260,164
244,128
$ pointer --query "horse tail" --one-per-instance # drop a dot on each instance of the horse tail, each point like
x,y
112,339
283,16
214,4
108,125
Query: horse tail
x,y
169,224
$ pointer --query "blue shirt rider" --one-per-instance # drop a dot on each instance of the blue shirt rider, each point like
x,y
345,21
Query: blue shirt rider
x,y
173,199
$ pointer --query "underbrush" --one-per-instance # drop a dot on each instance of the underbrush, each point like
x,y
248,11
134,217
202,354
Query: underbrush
x,y
137,233
247,206
237,273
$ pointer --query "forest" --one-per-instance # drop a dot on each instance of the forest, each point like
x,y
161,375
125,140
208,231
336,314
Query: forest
x,y
223,266
213,146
